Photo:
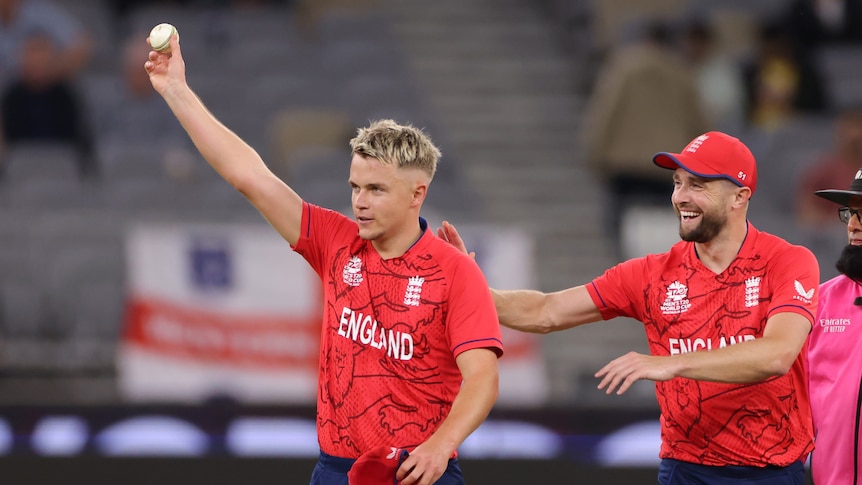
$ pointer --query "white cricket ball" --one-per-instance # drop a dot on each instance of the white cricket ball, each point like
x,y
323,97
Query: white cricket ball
x,y
160,37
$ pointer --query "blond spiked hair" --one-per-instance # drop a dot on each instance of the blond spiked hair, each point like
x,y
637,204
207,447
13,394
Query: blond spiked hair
x,y
403,145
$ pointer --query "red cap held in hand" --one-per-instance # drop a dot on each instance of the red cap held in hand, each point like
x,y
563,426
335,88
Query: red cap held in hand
x,y
377,466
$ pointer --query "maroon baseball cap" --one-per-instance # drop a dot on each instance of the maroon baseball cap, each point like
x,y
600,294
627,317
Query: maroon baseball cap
x,y
377,466
714,155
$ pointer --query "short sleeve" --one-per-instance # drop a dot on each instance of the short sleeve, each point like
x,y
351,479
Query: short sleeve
x,y
321,230
619,291
795,278
472,321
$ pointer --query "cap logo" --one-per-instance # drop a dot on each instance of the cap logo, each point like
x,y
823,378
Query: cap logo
x,y
741,175
858,175
696,143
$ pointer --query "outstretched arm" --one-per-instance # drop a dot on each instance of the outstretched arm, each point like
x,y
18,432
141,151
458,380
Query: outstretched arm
x,y
771,355
237,162
535,311
478,393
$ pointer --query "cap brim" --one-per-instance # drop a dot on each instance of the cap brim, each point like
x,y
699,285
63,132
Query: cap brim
x,y
841,197
667,160
673,161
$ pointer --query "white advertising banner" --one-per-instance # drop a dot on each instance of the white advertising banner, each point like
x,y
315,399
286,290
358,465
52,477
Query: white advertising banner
x,y
231,311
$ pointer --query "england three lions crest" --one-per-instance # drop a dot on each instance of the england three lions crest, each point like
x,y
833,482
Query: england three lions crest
x,y
414,291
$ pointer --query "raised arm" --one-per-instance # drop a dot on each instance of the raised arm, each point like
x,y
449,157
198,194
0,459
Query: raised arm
x,y
237,162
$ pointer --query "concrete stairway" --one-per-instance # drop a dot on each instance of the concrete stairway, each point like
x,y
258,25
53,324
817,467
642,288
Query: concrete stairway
x,y
505,92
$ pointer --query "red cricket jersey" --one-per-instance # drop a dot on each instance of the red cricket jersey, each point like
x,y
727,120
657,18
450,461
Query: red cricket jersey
x,y
685,307
391,332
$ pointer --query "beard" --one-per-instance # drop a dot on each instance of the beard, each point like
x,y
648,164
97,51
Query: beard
x,y
850,262
710,225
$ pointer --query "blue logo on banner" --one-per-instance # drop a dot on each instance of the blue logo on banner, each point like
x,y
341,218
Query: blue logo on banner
x,y
211,264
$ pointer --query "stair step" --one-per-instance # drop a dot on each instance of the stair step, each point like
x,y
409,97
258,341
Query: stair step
x,y
502,156
536,105
529,68
473,31
494,12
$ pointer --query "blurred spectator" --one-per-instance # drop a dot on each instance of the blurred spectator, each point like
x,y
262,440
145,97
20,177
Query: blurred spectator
x,y
40,105
832,169
20,18
814,23
781,81
615,22
718,78
645,100
128,113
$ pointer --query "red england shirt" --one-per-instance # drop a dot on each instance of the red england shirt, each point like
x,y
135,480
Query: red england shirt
x,y
391,331
686,307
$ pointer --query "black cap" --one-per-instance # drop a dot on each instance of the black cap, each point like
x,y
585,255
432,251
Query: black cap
x,y
843,196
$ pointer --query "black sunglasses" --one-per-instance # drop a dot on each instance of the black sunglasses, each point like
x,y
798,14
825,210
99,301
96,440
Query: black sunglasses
x,y
845,213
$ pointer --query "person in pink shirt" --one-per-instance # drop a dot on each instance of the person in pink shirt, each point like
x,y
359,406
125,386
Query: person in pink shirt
x,y
834,357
